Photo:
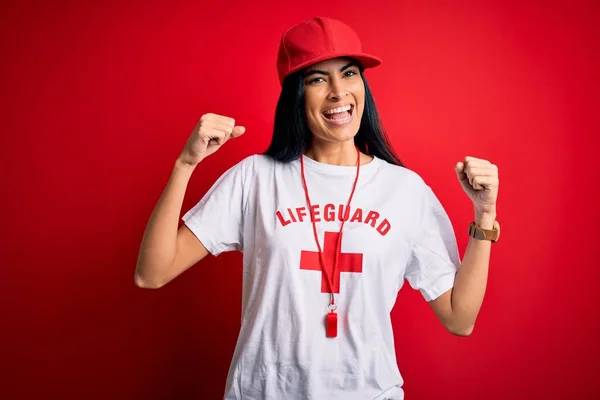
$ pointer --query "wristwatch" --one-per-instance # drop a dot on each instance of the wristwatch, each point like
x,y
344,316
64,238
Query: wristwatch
x,y
479,233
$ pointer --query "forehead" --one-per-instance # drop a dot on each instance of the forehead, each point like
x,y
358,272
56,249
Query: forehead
x,y
332,63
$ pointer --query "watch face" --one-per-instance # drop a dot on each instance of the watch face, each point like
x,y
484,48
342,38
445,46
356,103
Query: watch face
x,y
475,232
480,234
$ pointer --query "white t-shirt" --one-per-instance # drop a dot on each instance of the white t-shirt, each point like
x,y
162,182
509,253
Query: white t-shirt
x,y
397,229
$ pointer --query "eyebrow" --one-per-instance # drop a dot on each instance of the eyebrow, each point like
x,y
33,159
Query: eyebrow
x,y
318,71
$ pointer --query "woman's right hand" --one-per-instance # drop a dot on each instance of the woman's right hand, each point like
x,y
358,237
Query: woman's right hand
x,y
211,132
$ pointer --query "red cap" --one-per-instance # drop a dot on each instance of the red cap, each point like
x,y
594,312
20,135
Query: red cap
x,y
316,40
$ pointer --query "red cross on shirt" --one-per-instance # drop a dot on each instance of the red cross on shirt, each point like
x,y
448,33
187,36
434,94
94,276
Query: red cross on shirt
x,y
347,262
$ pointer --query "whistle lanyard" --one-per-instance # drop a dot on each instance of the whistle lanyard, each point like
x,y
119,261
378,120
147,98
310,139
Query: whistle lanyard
x,y
331,317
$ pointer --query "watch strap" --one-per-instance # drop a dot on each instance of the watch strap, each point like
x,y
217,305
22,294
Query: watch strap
x,y
479,233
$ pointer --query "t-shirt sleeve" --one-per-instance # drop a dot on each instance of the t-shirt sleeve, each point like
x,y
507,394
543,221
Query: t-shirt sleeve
x,y
434,258
217,219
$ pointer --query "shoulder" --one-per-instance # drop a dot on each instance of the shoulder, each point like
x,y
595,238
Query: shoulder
x,y
262,160
260,163
409,187
252,166
256,160
404,178
247,164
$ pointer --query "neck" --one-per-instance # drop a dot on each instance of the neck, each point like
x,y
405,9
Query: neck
x,y
343,154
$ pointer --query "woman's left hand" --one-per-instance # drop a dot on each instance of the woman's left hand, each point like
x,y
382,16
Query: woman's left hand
x,y
479,179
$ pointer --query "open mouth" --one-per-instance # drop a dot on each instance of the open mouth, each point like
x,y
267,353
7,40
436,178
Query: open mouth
x,y
339,115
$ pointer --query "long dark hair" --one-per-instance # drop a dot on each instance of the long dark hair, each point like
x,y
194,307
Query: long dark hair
x,y
291,136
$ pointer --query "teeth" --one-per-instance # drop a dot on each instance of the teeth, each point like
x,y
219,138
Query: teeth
x,y
338,110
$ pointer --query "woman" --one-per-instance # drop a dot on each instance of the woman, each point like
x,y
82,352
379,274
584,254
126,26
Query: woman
x,y
330,223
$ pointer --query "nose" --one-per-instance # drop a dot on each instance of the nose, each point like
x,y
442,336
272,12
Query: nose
x,y
337,89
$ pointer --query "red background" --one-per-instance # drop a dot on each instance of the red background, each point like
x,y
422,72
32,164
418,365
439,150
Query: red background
x,y
98,101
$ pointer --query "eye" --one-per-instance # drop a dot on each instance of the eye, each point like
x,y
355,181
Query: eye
x,y
314,80
351,72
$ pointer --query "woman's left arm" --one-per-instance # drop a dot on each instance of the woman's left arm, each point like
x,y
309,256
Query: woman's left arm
x,y
458,308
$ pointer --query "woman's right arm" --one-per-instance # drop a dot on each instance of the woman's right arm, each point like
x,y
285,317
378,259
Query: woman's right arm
x,y
165,251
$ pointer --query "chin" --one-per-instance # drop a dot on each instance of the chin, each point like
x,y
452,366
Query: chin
x,y
344,133
338,137
335,134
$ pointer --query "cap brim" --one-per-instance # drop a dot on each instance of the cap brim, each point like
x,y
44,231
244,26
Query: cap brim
x,y
367,60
